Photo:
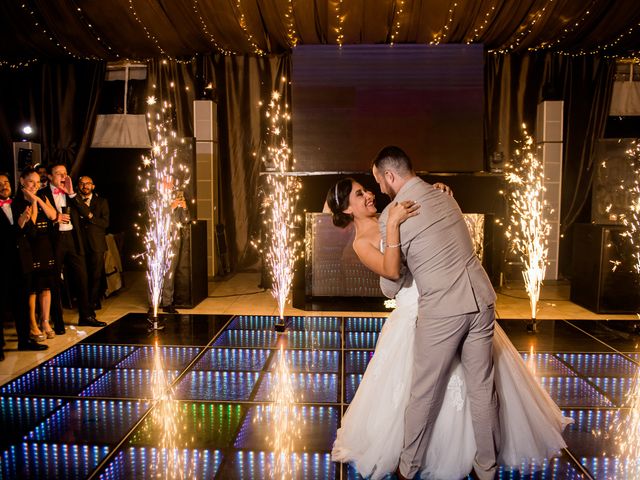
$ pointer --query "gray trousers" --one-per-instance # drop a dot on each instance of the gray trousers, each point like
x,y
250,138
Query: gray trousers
x,y
437,343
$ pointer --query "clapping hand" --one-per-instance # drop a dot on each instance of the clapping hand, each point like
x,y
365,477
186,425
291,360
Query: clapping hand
x,y
24,218
29,195
400,211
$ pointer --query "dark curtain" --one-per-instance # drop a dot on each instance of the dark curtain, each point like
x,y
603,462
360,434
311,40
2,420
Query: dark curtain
x,y
242,82
239,84
59,100
515,84
174,82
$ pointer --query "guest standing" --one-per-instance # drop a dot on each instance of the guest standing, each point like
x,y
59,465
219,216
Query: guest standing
x,y
41,278
94,227
15,257
69,246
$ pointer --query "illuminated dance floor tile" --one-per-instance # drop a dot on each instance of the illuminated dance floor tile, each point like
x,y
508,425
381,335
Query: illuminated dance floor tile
x,y
226,385
308,387
52,381
50,461
356,361
546,365
92,356
607,468
617,389
200,426
573,392
173,358
250,465
313,339
18,415
358,340
247,338
232,359
589,435
310,360
352,382
125,383
318,426
599,364
364,324
142,463
89,421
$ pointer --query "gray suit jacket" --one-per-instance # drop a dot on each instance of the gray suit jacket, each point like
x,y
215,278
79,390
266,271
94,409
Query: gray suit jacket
x,y
437,249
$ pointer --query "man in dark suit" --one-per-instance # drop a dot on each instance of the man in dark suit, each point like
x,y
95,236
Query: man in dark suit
x,y
68,243
16,263
94,227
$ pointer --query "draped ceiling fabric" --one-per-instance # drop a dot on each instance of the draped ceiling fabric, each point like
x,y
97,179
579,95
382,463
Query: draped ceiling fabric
x,y
241,46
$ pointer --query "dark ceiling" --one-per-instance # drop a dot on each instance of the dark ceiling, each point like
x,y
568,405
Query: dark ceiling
x,y
140,29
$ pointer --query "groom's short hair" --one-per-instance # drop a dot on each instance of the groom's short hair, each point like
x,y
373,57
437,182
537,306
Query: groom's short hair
x,y
393,158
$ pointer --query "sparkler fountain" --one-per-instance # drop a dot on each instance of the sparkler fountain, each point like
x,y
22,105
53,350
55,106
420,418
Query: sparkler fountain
x,y
279,205
528,229
160,183
632,219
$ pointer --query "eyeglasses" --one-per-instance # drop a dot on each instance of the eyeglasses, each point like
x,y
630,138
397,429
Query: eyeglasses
x,y
85,183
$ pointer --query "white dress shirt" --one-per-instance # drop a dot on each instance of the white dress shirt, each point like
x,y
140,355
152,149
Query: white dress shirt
x,y
61,202
6,208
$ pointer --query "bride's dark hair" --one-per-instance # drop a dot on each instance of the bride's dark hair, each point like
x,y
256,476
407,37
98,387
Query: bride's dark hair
x,y
338,200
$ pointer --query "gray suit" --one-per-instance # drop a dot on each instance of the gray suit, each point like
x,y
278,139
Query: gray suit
x,y
455,317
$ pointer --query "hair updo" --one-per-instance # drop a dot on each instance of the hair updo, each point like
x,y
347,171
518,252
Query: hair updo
x,y
338,200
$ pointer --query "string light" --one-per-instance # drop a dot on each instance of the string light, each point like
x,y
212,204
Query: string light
x,y
242,21
524,31
339,22
397,16
442,34
572,25
205,29
483,25
149,35
291,25
39,22
92,29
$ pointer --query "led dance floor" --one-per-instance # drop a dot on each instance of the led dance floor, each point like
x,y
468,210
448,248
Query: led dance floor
x,y
90,411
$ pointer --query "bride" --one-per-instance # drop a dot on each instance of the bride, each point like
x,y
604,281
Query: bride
x,y
372,429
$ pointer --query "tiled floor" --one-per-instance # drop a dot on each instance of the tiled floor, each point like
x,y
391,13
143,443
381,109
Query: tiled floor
x,y
86,409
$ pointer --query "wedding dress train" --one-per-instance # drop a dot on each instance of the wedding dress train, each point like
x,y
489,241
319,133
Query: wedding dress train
x,y
371,433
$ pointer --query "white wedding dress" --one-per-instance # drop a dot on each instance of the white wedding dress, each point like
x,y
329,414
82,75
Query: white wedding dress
x,y
371,433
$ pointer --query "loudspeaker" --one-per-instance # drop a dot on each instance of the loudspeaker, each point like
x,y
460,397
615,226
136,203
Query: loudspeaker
x,y
206,132
25,155
191,285
549,128
603,278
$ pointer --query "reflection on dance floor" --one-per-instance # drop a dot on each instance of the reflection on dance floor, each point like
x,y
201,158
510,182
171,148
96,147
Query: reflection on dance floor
x,y
88,412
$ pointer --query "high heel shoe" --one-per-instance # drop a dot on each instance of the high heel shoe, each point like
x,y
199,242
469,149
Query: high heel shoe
x,y
37,337
49,332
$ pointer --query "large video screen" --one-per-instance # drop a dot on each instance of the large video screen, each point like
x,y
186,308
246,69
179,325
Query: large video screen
x,y
350,102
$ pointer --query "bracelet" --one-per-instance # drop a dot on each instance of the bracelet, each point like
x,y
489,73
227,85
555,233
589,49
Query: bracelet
x,y
395,245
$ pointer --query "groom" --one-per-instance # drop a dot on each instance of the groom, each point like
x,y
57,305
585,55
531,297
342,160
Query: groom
x,y
455,316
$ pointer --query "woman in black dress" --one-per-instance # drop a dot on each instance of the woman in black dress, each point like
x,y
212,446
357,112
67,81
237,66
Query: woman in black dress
x,y
41,278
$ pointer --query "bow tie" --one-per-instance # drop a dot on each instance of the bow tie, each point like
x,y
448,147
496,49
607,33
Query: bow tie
x,y
5,202
57,191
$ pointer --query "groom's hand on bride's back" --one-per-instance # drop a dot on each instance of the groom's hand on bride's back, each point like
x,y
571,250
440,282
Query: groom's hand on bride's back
x,y
445,188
